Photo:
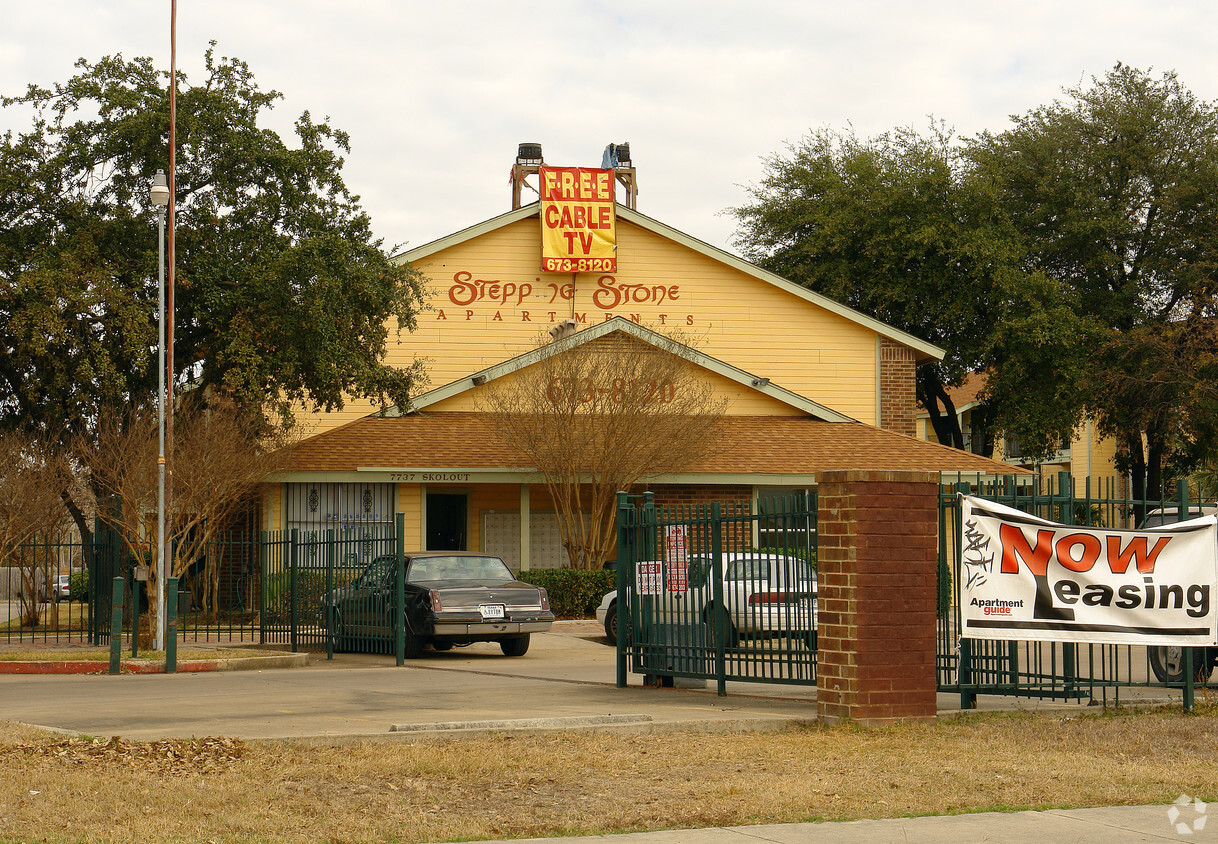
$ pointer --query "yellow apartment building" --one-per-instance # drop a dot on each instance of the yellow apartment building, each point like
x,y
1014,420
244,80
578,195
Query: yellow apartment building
x,y
810,385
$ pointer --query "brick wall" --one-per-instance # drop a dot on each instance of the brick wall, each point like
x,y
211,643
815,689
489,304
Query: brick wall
x,y
898,396
736,536
877,567
686,496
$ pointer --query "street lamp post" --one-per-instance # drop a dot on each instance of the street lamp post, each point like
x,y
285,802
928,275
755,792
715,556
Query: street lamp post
x,y
159,194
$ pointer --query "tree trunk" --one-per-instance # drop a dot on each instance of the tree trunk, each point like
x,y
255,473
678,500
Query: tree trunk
x,y
1137,474
931,393
78,517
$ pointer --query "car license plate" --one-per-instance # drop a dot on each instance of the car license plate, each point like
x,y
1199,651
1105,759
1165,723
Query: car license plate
x,y
491,610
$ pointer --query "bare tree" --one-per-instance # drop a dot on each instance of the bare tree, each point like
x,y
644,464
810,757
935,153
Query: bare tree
x,y
596,417
221,458
33,478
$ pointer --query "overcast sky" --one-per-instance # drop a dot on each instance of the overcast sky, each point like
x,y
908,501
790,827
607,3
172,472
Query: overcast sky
x,y
436,96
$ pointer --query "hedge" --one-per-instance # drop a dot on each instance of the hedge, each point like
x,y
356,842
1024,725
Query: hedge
x,y
573,593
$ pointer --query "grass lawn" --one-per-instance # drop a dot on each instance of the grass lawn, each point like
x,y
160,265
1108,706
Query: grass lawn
x,y
512,785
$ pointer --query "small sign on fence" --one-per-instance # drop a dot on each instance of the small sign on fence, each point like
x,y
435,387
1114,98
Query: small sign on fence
x,y
649,577
676,557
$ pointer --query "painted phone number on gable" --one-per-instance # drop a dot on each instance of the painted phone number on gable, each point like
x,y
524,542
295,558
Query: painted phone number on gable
x,y
578,265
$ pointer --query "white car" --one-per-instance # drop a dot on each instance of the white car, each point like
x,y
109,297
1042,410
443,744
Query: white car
x,y
57,588
764,594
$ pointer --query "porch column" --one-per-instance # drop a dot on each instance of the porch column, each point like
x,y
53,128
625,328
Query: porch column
x,y
524,527
878,542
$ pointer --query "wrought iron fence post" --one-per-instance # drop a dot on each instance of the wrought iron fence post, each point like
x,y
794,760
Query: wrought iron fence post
x,y
1188,679
263,588
964,667
135,614
399,590
1182,514
116,623
293,542
171,625
719,621
331,609
625,559
1065,489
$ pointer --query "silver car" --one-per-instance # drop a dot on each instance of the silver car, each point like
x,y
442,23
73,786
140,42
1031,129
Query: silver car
x,y
764,595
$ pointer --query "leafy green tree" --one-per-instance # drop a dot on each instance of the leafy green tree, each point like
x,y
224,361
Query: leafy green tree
x,y
891,227
1112,193
282,293
1071,258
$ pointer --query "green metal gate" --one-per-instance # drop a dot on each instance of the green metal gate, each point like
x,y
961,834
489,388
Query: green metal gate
x,y
1051,670
718,591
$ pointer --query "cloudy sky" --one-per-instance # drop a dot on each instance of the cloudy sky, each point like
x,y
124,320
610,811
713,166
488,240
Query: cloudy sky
x,y
437,95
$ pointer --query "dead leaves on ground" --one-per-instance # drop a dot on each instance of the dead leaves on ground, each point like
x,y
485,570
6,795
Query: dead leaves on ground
x,y
180,757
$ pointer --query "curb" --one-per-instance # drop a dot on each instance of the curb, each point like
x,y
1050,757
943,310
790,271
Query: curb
x,y
145,666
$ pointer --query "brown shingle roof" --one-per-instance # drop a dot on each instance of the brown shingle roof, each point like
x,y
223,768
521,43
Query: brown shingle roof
x,y
746,445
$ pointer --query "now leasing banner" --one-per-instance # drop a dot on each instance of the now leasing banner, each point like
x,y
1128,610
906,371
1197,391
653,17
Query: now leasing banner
x,y
1022,577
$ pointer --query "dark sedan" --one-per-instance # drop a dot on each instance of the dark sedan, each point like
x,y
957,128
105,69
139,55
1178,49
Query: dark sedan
x,y
452,598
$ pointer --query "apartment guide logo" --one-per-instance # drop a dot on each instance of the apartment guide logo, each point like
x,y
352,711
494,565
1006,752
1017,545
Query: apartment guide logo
x,y
1022,577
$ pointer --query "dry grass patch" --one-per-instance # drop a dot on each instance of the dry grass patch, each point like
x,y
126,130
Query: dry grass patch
x,y
512,785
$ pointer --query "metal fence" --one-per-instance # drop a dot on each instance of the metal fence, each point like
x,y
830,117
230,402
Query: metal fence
x,y
44,587
718,591
303,573
269,588
1056,670
60,591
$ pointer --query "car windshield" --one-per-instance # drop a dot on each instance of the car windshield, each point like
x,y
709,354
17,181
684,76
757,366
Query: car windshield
x,y
778,569
749,568
457,568
377,573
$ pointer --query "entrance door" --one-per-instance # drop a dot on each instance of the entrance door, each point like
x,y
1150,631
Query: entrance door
x,y
446,521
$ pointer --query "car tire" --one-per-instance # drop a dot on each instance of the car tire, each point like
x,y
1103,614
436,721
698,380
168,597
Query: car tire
x,y
732,635
338,637
442,646
1167,663
611,623
515,646
413,644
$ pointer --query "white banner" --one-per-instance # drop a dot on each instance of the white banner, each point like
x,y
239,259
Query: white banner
x,y
1022,577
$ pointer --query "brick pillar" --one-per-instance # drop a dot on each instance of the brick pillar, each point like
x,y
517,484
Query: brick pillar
x,y
878,541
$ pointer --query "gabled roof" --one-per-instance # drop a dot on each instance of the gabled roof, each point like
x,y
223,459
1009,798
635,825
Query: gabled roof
x,y
924,350
639,332
748,448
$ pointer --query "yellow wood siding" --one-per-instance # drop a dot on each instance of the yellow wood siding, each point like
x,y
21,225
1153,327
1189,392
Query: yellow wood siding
x,y
742,400
726,314
488,302
410,503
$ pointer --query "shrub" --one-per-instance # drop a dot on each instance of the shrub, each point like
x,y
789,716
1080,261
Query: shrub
x,y
573,593
78,585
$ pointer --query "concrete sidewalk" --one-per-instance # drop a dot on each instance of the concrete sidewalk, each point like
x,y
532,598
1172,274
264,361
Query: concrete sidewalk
x,y
1114,825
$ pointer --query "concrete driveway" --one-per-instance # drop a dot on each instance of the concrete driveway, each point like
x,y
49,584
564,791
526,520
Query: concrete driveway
x,y
565,681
